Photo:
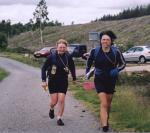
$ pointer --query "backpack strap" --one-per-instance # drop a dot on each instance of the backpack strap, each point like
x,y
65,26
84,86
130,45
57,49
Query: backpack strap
x,y
114,49
53,60
53,57
96,51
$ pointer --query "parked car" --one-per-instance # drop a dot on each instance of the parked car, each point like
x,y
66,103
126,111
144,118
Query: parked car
x,y
44,52
77,50
86,55
139,54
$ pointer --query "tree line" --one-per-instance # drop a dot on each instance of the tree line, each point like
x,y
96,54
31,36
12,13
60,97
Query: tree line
x,y
8,30
15,29
138,11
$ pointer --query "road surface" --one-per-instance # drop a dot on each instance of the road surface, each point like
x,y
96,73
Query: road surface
x,y
24,105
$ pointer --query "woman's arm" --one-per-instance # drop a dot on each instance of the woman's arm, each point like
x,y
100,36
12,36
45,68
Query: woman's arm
x,y
90,60
121,61
44,68
72,67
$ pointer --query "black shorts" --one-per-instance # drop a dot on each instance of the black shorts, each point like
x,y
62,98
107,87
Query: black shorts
x,y
103,84
58,85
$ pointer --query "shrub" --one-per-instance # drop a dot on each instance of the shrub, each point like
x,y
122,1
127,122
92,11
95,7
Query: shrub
x,y
3,40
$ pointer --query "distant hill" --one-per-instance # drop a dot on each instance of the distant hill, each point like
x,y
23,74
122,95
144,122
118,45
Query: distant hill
x,y
135,31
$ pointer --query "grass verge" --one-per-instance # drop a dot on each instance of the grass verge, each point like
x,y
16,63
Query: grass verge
x,y
36,62
130,107
27,59
3,74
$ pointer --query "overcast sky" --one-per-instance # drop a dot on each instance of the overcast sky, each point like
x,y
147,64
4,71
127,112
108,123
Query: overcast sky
x,y
65,11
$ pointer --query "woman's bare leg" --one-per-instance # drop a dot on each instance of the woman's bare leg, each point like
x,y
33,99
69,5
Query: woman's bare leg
x,y
105,100
61,104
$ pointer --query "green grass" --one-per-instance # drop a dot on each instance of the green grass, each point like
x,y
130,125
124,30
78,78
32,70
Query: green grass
x,y
3,74
88,97
130,107
129,111
30,60
79,63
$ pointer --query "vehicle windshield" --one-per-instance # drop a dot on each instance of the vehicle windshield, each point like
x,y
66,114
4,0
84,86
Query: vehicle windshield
x,y
45,49
148,47
71,49
131,49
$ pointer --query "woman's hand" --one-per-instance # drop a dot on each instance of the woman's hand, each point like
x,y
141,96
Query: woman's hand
x,y
44,85
114,72
74,82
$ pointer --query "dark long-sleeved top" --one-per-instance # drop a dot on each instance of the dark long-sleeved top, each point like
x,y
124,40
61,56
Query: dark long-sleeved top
x,y
61,63
103,61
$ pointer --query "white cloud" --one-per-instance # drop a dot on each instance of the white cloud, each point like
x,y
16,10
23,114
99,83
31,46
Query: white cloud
x,y
17,13
79,11
79,3
24,2
81,15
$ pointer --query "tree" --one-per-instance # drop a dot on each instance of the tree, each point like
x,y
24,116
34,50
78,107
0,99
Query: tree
x,y
41,16
3,40
72,23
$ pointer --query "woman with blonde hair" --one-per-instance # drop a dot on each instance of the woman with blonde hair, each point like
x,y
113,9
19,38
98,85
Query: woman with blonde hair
x,y
58,65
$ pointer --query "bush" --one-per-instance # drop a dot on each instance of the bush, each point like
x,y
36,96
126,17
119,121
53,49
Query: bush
x,y
3,40
121,47
18,50
75,37
136,78
140,80
129,45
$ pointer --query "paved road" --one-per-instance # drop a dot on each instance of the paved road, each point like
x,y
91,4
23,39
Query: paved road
x,y
24,105
138,68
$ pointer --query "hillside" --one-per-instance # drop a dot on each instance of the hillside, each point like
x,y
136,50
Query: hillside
x,y
129,31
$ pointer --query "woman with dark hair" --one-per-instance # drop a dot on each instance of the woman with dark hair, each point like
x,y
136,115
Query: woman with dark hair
x,y
108,62
58,65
